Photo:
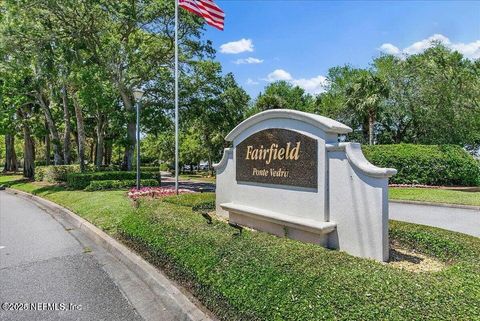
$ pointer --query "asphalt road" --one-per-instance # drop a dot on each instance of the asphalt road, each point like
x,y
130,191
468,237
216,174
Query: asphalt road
x,y
461,220
42,264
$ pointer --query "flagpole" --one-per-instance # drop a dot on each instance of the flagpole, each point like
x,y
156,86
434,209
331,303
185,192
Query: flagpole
x,y
176,97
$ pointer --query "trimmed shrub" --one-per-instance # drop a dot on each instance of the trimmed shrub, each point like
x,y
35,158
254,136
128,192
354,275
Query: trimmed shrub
x,y
55,173
117,184
205,206
107,168
40,163
82,180
165,167
148,168
40,173
426,164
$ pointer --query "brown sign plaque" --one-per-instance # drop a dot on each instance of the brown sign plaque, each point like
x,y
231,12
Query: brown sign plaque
x,y
278,156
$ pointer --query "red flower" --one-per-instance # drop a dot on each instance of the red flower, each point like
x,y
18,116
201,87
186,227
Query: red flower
x,y
155,192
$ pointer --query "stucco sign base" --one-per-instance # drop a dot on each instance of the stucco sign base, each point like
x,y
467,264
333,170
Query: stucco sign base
x,y
298,181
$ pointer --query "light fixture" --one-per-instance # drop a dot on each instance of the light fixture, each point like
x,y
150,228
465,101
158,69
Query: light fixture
x,y
138,94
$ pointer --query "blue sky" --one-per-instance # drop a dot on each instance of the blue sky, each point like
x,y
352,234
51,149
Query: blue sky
x,y
299,41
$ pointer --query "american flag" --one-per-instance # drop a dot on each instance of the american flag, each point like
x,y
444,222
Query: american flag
x,y
207,9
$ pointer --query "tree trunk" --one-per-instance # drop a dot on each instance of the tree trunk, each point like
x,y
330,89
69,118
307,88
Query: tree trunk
x,y
28,153
108,153
100,141
10,155
47,148
210,165
28,146
67,133
80,134
57,148
131,130
371,123
91,155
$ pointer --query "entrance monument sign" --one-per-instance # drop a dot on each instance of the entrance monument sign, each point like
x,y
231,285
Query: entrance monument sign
x,y
287,174
278,156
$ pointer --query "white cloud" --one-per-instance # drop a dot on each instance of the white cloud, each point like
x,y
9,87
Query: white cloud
x,y
421,45
315,85
249,60
390,49
236,47
252,82
469,50
278,74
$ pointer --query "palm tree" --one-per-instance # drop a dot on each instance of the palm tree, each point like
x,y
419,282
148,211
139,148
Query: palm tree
x,y
364,97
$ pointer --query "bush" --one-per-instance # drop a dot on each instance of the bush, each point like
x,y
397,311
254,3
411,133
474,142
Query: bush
x,y
256,276
40,163
40,173
445,245
106,168
205,206
82,180
426,164
191,200
148,168
55,173
117,184
165,167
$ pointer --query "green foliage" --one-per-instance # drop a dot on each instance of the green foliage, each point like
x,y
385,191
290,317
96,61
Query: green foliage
x,y
190,200
442,244
283,95
148,168
364,96
40,173
55,173
257,276
164,167
426,164
118,184
431,99
82,180
206,206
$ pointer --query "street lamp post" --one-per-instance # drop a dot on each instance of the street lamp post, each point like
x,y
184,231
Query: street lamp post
x,y
138,94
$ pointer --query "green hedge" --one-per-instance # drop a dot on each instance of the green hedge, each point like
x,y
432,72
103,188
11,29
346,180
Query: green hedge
x,y
148,168
426,164
117,184
55,173
82,180
445,245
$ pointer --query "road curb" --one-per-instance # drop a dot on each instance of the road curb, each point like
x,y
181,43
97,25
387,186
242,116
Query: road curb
x,y
154,278
466,207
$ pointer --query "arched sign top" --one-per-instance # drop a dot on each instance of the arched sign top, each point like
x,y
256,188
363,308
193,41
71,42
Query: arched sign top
x,y
326,124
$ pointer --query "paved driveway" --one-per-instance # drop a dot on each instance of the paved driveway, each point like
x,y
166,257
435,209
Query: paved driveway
x,y
455,219
43,267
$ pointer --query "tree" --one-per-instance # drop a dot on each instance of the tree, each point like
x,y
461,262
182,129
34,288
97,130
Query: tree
x,y
365,95
282,94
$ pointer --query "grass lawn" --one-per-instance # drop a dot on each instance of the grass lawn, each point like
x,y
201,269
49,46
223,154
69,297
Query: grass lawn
x,y
435,195
257,276
9,178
